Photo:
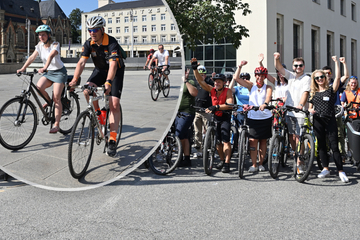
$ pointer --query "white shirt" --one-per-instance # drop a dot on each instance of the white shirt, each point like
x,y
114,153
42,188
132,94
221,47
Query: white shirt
x,y
161,57
257,98
280,90
296,88
44,53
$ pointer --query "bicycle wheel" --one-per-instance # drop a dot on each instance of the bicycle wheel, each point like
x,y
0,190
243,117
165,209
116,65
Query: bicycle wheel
x,y
70,111
118,136
18,123
275,150
166,87
150,80
307,158
155,89
285,150
209,150
234,138
81,144
167,156
242,153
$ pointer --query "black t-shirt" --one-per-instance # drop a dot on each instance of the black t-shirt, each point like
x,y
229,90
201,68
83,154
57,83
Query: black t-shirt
x,y
324,102
203,98
109,50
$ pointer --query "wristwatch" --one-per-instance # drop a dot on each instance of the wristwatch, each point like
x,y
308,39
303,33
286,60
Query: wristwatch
x,y
301,105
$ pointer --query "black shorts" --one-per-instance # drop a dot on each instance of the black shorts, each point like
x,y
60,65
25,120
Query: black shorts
x,y
223,129
99,77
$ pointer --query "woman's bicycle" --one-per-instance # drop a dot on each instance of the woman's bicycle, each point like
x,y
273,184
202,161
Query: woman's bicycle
x,y
19,116
160,83
87,128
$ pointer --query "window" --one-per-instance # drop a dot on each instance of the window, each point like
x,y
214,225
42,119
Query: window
x,y
342,7
173,38
126,40
144,18
135,39
329,48
118,39
353,12
315,45
330,4
134,18
342,52
109,20
353,58
117,29
144,28
297,39
20,38
280,34
144,39
162,16
163,28
153,28
109,30
163,38
118,20
153,17
153,39
126,29
135,29
172,27
126,19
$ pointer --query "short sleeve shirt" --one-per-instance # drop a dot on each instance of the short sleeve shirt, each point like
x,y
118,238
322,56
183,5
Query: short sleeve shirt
x,y
324,102
280,90
242,96
187,100
44,53
161,57
109,50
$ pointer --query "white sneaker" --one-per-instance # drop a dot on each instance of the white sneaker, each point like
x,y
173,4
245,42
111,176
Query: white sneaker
x,y
261,168
324,173
300,169
253,169
343,177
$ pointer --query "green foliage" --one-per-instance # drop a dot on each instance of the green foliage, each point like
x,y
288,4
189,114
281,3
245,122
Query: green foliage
x,y
75,21
206,20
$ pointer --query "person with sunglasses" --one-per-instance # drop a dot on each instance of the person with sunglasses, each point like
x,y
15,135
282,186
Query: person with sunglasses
x,y
322,99
352,94
296,96
163,59
329,76
107,56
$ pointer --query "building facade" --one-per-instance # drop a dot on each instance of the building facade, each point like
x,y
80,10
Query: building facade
x,y
145,23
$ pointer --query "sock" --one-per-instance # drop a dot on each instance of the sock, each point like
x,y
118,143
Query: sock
x,y
113,136
186,158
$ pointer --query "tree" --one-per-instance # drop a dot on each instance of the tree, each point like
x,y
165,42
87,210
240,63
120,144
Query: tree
x,y
75,21
205,20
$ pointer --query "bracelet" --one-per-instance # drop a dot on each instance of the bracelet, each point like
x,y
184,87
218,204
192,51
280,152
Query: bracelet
x,y
217,107
266,103
108,83
301,105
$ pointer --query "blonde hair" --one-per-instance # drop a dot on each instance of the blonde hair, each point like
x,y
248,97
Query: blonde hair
x,y
314,86
348,87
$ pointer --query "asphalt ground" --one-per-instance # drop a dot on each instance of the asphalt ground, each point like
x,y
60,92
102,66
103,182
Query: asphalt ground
x,y
44,161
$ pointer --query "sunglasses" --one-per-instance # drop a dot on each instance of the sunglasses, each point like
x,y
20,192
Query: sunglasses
x,y
320,77
328,73
300,65
160,48
354,77
94,30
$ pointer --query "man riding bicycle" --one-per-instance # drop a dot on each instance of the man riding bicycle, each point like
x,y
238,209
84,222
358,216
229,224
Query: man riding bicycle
x,y
107,56
162,57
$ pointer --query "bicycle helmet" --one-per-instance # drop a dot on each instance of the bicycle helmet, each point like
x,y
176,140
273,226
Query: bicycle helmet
x,y
201,69
245,75
228,77
219,76
96,22
43,28
152,50
261,71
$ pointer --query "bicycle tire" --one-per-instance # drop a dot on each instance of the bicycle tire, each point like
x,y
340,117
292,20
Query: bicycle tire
x,y
275,149
15,135
166,87
150,80
286,150
307,158
155,90
242,153
234,139
70,111
209,150
165,160
80,152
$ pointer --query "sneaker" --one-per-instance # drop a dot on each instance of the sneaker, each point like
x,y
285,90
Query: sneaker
x,y
111,151
226,168
343,177
253,169
261,168
184,163
324,173
220,165
300,169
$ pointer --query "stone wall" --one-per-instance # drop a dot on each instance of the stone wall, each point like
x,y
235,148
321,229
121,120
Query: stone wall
x,y
9,67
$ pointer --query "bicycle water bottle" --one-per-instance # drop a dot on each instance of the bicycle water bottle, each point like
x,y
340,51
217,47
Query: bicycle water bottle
x,y
101,116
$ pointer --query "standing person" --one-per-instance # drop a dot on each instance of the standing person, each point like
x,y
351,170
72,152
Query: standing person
x,y
352,94
259,122
322,99
107,56
219,96
241,94
340,126
185,117
55,73
296,96
201,119
162,57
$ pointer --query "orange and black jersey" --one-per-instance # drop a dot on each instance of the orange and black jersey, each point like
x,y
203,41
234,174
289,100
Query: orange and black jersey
x,y
101,55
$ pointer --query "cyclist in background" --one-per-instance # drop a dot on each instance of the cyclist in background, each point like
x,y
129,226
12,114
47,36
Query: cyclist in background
x,y
107,56
153,64
162,57
352,94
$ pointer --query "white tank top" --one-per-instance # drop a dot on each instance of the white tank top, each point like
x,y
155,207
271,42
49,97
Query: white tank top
x,y
257,98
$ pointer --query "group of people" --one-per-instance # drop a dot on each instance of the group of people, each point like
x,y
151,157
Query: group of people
x,y
318,93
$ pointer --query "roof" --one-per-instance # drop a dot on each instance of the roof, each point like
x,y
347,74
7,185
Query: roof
x,y
51,9
130,4
21,7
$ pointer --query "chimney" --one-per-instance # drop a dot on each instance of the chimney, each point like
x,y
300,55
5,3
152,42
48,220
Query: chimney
x,y
102,3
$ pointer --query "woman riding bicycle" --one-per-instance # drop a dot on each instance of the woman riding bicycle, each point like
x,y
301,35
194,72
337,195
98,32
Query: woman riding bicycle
x,y
219,96
259,122
322,99
54,70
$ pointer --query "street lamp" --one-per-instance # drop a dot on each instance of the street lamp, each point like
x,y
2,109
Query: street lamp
x,y
27,26
132,33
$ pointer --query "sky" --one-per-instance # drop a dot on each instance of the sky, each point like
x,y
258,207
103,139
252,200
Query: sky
x,y
84,5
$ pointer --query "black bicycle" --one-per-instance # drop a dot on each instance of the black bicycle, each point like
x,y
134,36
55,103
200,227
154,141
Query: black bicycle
x,y
19,117
160,83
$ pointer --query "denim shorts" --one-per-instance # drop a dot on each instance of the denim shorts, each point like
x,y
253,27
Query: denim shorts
x,y
294,124
183,122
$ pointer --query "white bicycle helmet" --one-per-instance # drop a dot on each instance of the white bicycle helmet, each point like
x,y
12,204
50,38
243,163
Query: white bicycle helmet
x,y
201,69
95,22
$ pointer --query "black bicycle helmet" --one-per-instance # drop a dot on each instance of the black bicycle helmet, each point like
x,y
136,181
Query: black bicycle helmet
x,y
219,76
228,77
245,75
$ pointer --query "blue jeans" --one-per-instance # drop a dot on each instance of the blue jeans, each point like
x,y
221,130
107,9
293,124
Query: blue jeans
x,y
183,123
